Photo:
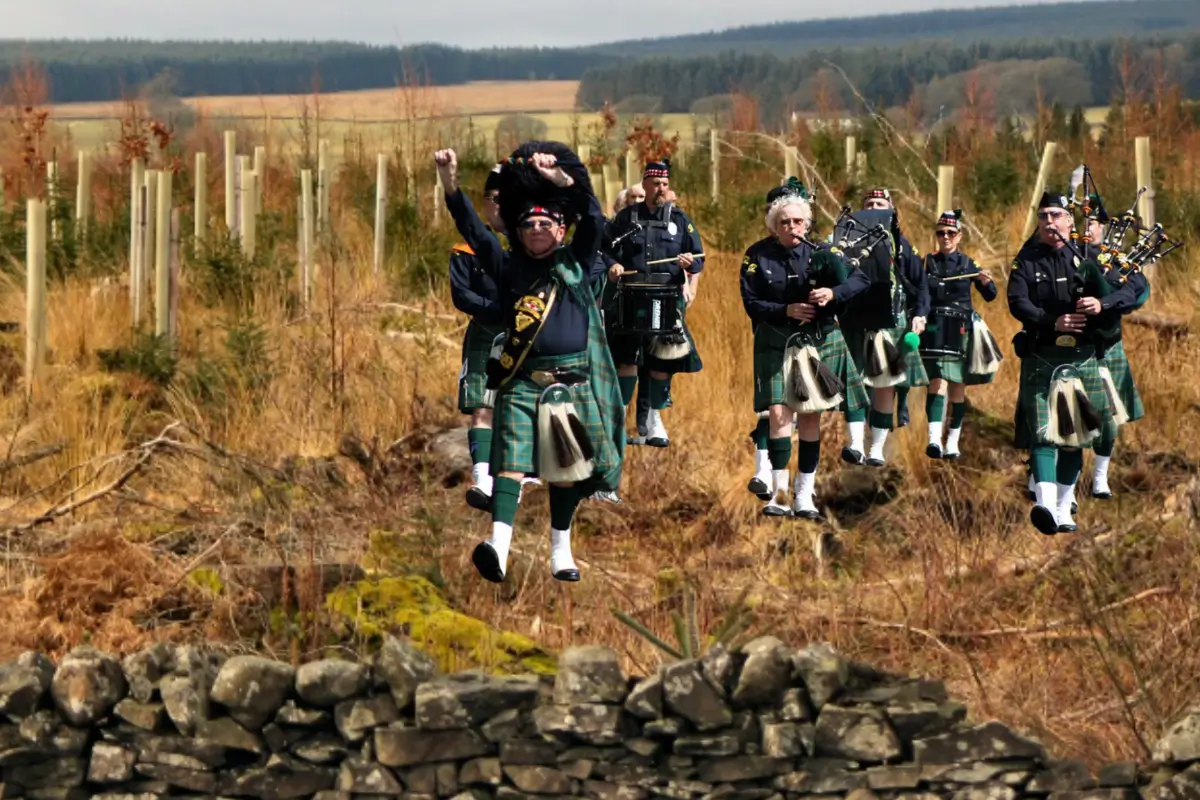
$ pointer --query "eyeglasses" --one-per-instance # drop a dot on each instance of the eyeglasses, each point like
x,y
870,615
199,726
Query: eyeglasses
x,y
538,224
494,197
1054,215
945,234
794,222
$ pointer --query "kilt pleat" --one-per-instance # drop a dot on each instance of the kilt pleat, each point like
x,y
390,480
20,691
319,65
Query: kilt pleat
x,y
472,379
1118,364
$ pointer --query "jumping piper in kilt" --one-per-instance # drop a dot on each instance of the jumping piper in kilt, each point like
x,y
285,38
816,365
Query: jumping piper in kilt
x,y
1062,406
473,292
557,408
760,485
882,327
957,348
801,365
648,238
1115,371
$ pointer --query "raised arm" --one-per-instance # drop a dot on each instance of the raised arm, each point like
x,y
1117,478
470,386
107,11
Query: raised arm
x,y
482,240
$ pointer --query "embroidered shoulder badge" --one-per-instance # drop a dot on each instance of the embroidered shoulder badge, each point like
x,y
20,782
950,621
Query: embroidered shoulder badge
x,y
1016,265
751,268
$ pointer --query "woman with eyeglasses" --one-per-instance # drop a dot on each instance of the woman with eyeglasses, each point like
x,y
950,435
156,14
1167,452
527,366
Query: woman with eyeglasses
x,y
802,368
557,409
951,274
1062,407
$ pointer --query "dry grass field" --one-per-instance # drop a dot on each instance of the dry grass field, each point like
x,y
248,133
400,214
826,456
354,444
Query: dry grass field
x,y
292,451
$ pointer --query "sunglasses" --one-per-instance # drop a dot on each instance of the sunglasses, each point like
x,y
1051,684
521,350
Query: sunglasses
x,y
538,224
945,234
1054,215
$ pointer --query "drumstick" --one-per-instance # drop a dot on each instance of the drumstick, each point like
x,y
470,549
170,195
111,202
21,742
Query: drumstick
x,y
676,258
960,277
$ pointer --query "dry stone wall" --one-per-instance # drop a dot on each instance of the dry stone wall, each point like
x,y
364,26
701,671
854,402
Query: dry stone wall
x,y
766,723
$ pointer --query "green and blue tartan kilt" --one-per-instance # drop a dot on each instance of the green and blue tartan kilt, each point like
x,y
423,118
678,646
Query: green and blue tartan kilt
x,y
472,378
1033,407
856,342
770,349
1118,364
514,423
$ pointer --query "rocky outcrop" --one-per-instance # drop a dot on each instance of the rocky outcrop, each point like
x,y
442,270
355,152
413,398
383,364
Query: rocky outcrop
x,y
765,723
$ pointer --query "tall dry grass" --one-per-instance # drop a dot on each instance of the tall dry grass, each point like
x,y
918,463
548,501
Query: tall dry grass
x,y
923,567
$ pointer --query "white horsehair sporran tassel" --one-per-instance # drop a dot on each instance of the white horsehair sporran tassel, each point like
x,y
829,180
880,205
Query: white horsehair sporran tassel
x,y
1072,421
671,346
809,385
564,449
885,362
985,352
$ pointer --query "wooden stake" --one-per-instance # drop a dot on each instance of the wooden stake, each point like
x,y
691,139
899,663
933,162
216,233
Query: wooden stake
x,y
3,202
162,255
322,186
52,195
260,169
249,218
231,216
149,242
200,209
137,181
242,197
1038,188
306,235
35,291
852,159
945,189
173,277
83,194
715,146
1145,177
791,165
381,209
630,167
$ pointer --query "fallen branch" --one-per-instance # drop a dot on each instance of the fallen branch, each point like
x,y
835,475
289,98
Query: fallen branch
x,y
1174,328
28,458
1033,631
422,338
415,310
62,508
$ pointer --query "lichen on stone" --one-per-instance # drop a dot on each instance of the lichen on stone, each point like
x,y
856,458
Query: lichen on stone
x,y
375,607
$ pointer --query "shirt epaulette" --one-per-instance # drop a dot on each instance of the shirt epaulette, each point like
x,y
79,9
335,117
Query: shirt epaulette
x,y
463,247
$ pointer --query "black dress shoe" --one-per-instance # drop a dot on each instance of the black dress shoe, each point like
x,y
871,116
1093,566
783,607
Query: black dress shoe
x,y
658,442
851,456
807,514
1068,528
758,486
478,499
933,450
1074,507
874,462
1102,495
952,456
487,562
567,575
1043,519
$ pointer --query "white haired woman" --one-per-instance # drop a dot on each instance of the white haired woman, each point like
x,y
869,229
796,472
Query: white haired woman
x,y
790,290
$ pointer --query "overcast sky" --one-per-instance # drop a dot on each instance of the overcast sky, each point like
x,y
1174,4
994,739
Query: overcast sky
x,y
468,23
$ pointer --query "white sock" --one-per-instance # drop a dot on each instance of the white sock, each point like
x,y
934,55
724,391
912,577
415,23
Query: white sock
x,y
1066,495
780,477
857,435
500,541
483,478
935,433
560,551
1100,474
1032,482
878,438
805,484
762,463
1046,496
952,439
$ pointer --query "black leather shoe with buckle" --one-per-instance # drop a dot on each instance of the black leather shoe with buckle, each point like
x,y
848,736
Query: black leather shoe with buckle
x,y
487,562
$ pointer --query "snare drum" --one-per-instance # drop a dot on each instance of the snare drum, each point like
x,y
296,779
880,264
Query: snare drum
x,y
945,334
648,305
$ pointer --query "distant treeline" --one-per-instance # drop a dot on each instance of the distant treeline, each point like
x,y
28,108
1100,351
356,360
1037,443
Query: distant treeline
x,y
1072,72
915,49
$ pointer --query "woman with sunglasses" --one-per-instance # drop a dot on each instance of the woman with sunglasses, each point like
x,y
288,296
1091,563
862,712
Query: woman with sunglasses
x,y
947,273
557,409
